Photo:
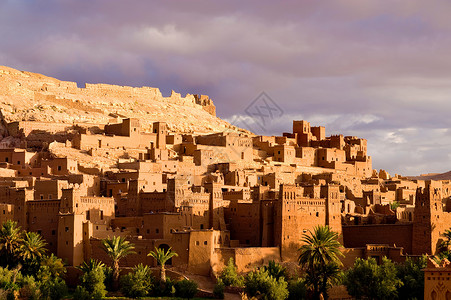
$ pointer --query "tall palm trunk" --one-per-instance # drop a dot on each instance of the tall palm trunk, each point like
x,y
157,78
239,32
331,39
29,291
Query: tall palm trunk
x,y
162,274
116,275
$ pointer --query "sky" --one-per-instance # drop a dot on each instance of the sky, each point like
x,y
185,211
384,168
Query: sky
x,y
376,69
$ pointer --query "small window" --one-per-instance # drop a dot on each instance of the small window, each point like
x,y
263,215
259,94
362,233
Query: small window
x,y
157,230
53,232
6,159
197,243
67,229
59,168
205,243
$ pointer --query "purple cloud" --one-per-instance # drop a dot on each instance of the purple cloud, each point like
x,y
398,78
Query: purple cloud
x,y
360,67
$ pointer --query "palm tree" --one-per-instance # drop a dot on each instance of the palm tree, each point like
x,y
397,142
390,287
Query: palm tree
x,y
33,246
52,266
92,264
11,238
117,248
321,249
162,257
32,250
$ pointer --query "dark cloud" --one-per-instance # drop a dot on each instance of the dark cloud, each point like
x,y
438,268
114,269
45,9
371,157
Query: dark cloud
x,y
360,67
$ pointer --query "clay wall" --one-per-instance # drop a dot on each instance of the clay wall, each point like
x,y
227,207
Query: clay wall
x,y
43,219
61,166
161,225
70,238
308,155
283,153
201,248
153,202
25,128
244,222
237,195
6,212
326,155
319,132
437,283
295,216
246,259
49,189
86,142
359,235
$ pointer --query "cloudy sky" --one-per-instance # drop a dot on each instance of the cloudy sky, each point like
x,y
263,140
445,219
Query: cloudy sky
x,y
376,69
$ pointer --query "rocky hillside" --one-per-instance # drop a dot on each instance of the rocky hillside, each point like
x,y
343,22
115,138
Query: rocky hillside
x,y
26,96
434,176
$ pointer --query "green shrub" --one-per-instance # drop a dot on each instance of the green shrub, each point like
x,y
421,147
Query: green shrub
x,y
218,290
137,283
10,281
164,290
367,279
276,270
54,289
81,293
108,278
260,283
92,280
30,289
185,288
412,275
297,289
229,275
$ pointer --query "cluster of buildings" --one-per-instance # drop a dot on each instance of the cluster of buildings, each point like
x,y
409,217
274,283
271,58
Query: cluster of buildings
x,y
214,197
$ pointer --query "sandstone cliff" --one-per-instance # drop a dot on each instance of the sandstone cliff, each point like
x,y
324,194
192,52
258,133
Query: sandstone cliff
x,y
26,96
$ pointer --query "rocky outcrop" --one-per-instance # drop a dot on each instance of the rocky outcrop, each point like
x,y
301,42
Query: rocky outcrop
x,y
26,96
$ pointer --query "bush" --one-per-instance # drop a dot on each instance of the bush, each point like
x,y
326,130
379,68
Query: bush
x,y
164,290
137,283
54,289
367,279
260,283
81,293
108,278
218,291
276,270
412,276
186,288
92,282
297,289
30,289
229,275
10,282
